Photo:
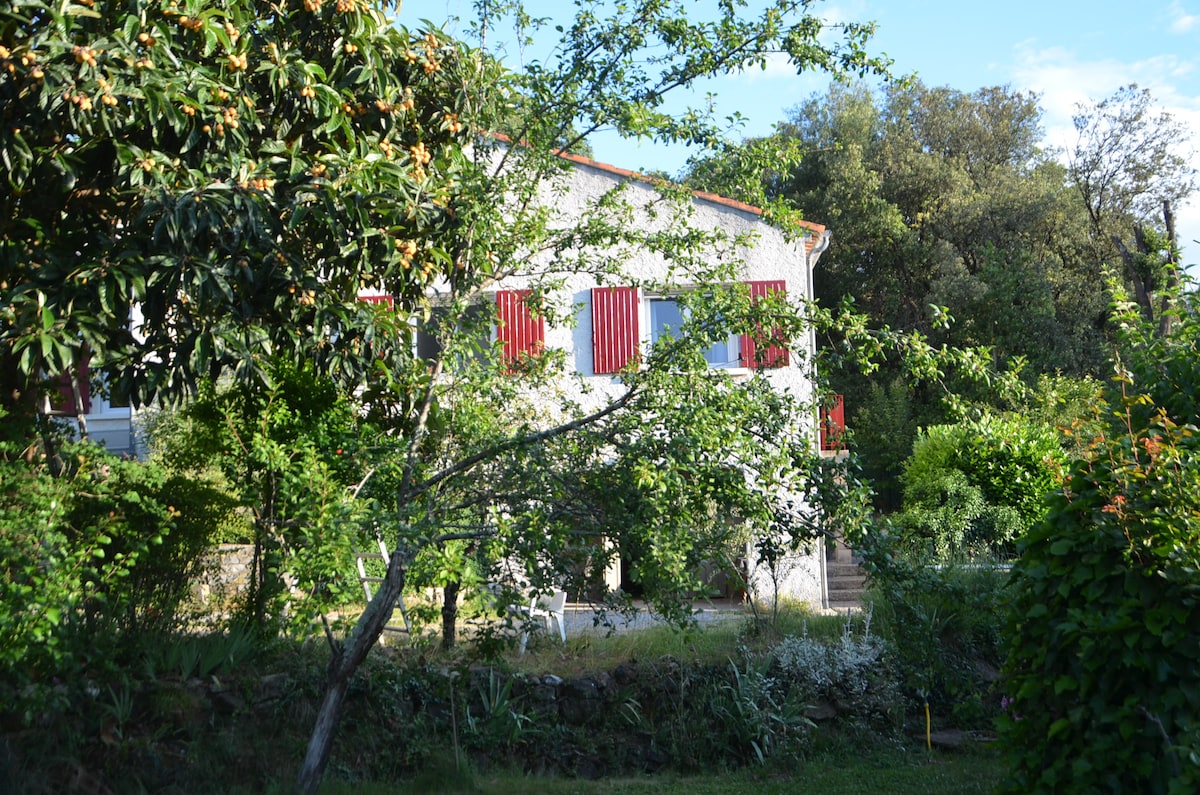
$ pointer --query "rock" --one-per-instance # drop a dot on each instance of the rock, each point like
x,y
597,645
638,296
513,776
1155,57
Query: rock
x,y
650,758
579,702
272,687
987,672
540,692
590,768
603,681
581,688
625,674
947,738
226,701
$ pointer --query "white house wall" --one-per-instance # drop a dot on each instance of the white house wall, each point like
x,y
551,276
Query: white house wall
x,y
771,256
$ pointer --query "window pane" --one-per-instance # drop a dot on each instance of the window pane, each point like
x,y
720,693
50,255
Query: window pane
x,y
474,334
724,353
666,318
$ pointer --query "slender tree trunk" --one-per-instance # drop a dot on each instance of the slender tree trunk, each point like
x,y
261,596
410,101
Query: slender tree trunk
x,y
1141,290
343,664
450,614
1165,315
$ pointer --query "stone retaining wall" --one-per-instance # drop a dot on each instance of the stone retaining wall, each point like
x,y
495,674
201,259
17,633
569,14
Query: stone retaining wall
x,y
226,576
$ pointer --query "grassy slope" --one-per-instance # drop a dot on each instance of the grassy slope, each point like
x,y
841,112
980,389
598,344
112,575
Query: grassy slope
x,y
887,772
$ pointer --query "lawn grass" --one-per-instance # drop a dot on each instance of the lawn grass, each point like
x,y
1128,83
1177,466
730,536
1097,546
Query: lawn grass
x,y
975,771
712,643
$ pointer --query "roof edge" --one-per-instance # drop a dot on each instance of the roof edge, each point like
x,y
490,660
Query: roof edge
x,y
816,229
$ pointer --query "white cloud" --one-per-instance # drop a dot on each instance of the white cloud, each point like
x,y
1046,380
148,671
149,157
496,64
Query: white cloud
x,y
848,11
843,12
1181,20
777,66
1187,226
1065,81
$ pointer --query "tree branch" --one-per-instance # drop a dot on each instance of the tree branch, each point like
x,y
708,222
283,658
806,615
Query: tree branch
x,y
511,444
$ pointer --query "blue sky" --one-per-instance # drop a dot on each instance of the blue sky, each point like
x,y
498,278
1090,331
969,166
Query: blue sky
x,y
1067,51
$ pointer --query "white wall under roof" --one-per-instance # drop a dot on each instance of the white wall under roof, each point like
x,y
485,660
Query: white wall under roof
x,y
767,255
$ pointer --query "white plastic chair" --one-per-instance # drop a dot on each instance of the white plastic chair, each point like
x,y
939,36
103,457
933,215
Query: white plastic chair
x,y
548,608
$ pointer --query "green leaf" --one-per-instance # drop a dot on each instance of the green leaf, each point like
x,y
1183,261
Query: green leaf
x,y
1062,547
82,11
1065,683
1058,727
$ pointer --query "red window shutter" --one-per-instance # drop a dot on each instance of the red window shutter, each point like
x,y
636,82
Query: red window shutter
x,y
521,333
379,299
771,355
66,395
833,422
615,336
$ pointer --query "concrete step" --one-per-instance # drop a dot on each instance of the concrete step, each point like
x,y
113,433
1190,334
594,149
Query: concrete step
x,y
845,580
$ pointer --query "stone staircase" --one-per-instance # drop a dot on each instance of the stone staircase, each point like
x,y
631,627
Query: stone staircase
x,y
845,578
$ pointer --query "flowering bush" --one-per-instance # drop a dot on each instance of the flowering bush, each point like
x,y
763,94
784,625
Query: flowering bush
x,y
1104,631
853,674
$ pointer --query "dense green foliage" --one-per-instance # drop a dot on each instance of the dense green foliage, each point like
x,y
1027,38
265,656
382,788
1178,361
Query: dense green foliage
x,y
189,710
940,197
1104,629
950,205
943,623
285,453
104,550
200,191
971,489
236,171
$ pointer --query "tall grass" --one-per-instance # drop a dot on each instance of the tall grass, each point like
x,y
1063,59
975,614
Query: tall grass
x,y
710,643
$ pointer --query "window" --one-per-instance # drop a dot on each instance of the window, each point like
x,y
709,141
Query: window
x,y
520,332
385,300
767,348
619,314
833,424
97,400
64,401
615,336
475,321
667,317
517,328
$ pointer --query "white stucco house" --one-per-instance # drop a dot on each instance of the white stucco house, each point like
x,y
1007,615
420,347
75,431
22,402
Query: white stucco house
x,y
104,422
615,320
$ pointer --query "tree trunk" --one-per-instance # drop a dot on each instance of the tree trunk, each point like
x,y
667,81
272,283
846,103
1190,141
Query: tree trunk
x,y
450,615
343,664
1165,314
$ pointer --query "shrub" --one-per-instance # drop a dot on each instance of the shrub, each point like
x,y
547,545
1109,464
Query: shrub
x,y
943,621
973,487
99,552
854,673
1104,625
286,454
